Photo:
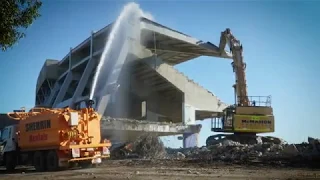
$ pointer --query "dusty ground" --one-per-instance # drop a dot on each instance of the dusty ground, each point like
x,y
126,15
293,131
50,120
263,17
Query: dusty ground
x,y
168,170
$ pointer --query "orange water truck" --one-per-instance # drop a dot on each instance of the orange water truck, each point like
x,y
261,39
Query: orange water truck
x,y
51,138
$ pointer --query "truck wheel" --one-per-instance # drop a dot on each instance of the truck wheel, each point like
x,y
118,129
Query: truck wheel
x,y
39,161
52,161
11,161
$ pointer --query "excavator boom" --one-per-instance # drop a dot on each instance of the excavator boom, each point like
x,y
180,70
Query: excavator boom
x,y
238,66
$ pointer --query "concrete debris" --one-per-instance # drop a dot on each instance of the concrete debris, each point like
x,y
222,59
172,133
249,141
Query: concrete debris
x,y
315,143
274,140
149,147
290,150
259,140
230,143
180,155
228,150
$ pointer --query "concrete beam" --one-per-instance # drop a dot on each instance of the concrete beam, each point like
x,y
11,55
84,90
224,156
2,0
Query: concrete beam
x,y
159,29
63,89
64,103
152,27
210,46
127,130
148,126
160,47
83,81
189,51
48,102
195,94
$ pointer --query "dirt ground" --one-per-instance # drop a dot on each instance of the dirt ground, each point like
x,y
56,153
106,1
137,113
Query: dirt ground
x,y
167,170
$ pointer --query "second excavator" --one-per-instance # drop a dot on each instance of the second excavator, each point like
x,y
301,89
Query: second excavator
x,y
249,115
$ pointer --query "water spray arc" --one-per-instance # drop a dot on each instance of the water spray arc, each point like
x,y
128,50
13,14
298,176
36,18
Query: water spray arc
x,y
110,64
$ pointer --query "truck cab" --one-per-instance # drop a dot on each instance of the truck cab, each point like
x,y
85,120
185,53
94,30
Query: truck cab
x,y
7,141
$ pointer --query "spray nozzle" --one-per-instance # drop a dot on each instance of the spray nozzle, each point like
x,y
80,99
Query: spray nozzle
x,y
90,103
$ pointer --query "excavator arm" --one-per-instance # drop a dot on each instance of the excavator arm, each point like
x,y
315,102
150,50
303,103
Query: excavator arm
x,y
238,66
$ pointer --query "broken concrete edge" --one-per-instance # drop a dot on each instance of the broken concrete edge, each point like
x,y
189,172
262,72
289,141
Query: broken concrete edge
x,y
151,126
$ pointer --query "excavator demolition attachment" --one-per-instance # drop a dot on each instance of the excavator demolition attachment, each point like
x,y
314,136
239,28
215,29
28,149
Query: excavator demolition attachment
x,y
249,115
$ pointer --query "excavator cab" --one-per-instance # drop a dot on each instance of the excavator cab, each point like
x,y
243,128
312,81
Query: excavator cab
x,y
255,118
224,122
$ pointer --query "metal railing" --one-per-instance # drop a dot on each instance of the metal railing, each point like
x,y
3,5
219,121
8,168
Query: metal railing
x,y
259,100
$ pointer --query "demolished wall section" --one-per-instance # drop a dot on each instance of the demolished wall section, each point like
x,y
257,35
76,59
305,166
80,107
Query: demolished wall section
x,y
195,95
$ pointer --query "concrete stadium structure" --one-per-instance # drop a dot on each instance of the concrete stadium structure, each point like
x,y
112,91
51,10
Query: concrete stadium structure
x,y
153,96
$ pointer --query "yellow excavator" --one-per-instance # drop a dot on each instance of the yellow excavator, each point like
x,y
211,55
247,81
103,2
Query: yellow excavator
x,y
249,115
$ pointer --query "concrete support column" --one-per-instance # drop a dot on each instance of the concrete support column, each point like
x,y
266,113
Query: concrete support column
x,y
102,104
63,89
70,59
85,76
83,81
189,114
190,140
53,93
144,109
189,118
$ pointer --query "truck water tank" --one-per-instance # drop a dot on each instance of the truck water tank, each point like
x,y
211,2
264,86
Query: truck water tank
x,y
57,128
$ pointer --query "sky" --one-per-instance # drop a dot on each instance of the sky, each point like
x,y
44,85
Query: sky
x,y
280,41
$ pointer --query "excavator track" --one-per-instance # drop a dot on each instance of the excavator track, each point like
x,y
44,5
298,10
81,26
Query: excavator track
x,y
242,139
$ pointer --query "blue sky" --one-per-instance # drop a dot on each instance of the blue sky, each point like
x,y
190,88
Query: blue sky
x,y
280,40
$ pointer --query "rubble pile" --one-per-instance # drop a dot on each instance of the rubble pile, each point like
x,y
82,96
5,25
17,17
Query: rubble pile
x,y
149,147
229,150
279,152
